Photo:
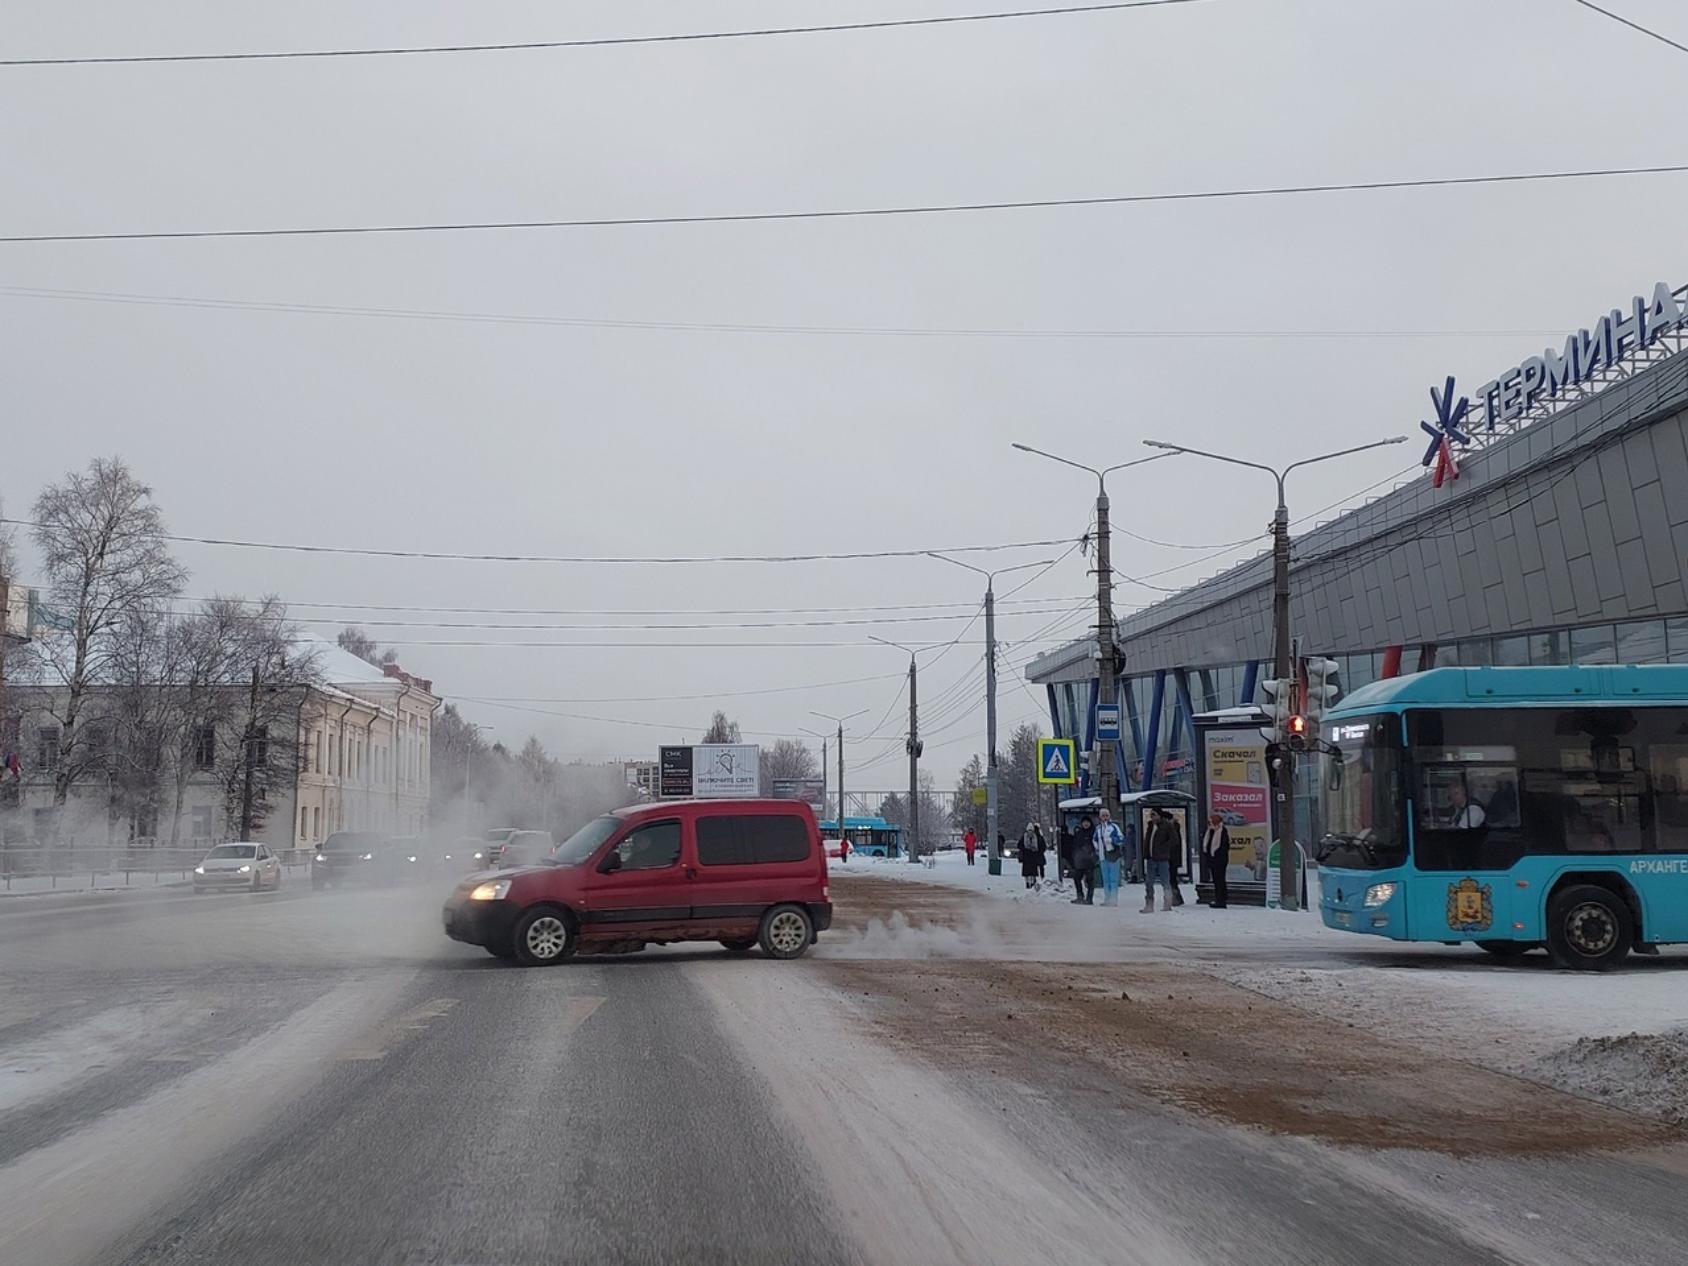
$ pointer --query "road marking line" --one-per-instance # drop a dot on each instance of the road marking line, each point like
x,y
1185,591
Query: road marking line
x,y
377,1044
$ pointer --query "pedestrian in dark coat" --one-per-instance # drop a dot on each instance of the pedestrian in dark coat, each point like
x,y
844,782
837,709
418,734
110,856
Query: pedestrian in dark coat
x,y
1084,863
1216,854
1028,856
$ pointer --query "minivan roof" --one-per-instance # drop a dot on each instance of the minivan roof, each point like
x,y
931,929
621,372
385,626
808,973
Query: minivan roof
x,y
668,806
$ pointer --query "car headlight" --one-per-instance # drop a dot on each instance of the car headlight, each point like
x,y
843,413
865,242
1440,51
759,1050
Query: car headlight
x,y
199,870
366,857
478,856
1378,894
321,858
246,870
496,891
409,859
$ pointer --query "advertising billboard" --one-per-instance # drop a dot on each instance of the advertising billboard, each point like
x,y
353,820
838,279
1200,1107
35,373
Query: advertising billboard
x,y
726,770
1239,792
674,772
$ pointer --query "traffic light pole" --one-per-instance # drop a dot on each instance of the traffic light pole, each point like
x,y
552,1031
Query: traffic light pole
x,y
1289,892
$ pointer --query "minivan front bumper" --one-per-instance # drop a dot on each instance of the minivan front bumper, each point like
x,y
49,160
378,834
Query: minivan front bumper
x,y
479,922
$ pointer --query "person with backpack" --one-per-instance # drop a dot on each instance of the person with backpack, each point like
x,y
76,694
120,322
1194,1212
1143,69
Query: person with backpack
x,y
1084,864
1109,842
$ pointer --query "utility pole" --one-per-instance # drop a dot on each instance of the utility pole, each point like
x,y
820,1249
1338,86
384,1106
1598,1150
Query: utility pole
x,y
1107,691
912,746
913,764
249,752
839,722
1289,891
992,853
1102,769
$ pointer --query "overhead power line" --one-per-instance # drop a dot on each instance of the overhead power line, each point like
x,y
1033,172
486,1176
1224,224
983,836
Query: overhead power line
x,y
214,304
613,41
612,559
1634,26
750,217
668,611
652,628
712,694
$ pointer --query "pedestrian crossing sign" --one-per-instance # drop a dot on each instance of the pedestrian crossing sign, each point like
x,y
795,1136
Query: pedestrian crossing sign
x,y
1057,761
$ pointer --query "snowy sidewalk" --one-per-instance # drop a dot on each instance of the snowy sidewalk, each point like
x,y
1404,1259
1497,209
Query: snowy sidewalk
x,y
106,881
1619,1037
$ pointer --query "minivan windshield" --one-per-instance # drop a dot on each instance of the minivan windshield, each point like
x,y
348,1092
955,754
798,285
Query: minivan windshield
x,y
584,842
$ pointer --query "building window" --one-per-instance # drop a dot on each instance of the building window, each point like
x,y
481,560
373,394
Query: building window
x,y
1641,642
47,748
1676,640
316,823
204,747
1512,652
1475,652
200,826
261,747
1547,649
304,823
1594,645
1445,656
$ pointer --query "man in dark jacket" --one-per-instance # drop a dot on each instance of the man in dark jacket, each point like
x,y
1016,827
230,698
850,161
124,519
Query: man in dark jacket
x,y
1165,846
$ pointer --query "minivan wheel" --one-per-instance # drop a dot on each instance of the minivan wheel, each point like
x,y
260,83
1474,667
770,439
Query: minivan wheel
x,y
741,946
543,936
786,932
1589,928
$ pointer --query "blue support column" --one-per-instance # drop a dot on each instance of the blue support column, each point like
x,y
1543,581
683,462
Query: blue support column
x,y
1054,713
1150,748
1251,679
1186,708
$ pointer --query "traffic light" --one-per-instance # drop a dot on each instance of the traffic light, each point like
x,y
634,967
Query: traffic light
x,y
1296,729
1321,687
1280,693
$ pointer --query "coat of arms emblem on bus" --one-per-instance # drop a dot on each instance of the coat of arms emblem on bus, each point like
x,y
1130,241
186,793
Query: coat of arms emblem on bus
x,y
1471,906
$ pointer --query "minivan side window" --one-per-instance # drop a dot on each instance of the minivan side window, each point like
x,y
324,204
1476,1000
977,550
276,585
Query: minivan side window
x,y
650,847
751,839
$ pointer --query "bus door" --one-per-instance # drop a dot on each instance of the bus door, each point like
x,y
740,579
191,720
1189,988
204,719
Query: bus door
x,y
1466,837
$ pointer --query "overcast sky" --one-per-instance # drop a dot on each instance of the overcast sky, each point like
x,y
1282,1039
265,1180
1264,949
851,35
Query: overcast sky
x,y
581,439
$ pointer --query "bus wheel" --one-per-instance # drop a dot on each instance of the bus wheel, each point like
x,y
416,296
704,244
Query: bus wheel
x,y
1588,928
1506,949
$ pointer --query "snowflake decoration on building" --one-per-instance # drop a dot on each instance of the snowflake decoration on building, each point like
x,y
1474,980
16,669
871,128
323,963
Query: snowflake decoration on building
x,y
1446,432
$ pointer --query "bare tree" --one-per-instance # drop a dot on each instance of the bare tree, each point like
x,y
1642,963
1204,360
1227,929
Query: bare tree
x,y
787,758
275,672
104,557
353,639
721,730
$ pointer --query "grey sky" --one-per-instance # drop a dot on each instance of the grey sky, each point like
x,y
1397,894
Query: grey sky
x,y
543,439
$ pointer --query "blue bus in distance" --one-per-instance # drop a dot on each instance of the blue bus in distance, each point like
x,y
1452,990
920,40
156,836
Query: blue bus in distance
x,y
868,836
1516,808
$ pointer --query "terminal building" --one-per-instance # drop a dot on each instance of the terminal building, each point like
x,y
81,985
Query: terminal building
x,y
1549,526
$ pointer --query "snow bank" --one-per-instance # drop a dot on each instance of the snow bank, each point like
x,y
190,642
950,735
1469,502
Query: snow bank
x,y
1641,1072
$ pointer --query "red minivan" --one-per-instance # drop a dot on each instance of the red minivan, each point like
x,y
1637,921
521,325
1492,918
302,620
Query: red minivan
x,y
741,872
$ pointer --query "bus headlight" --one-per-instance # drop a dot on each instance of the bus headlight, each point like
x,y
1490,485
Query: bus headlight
x,y
1379,894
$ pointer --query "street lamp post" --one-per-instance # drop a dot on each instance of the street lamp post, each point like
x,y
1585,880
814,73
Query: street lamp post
x,y
1102,762
1282,669
839,722
992,852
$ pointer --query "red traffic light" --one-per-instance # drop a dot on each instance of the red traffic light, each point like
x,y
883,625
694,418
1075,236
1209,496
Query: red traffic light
x,y
1295,731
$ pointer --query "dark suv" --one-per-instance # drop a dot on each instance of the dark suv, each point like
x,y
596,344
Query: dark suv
x,y
352,857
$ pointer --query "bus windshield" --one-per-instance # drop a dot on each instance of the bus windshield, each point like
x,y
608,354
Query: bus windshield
x,y
1362,811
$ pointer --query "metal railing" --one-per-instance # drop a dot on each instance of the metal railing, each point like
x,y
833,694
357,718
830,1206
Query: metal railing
x,y
81,867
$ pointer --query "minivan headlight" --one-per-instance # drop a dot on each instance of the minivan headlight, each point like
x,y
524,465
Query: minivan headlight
x,y
495,891
1379,894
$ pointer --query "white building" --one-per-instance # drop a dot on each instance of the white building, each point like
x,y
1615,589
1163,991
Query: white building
x,y
360,763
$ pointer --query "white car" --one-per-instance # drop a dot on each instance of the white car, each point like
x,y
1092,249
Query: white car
x,y
253,867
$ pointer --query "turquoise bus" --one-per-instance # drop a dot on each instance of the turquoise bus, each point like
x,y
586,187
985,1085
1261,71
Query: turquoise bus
x,y
1516,808
869,837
